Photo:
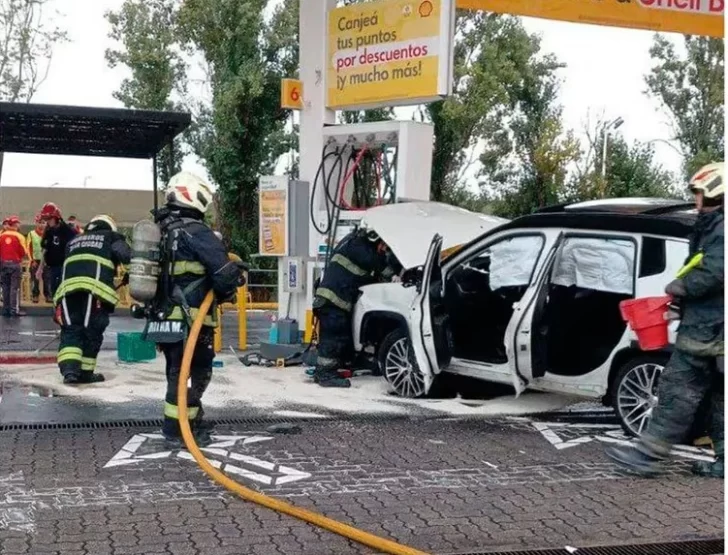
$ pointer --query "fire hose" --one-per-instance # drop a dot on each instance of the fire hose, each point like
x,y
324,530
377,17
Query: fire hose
x,y
354,534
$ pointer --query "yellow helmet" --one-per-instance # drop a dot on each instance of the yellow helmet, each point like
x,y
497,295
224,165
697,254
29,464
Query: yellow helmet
x,y
709,180
101,222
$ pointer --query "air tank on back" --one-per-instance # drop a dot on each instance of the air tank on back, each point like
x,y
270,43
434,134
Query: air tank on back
x,y
145,266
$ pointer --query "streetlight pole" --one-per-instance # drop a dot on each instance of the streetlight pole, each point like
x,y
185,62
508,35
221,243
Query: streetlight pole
x,y
614,124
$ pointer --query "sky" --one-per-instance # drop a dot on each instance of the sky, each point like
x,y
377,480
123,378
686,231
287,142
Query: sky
x,y
604,77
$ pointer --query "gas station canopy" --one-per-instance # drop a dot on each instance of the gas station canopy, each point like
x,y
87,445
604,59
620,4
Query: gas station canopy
x,y
84,131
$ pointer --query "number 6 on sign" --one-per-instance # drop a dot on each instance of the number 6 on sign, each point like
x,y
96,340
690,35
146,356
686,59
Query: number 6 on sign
x,y
292,94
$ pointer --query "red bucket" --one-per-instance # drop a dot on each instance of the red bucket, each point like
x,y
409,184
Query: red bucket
x,y
646,316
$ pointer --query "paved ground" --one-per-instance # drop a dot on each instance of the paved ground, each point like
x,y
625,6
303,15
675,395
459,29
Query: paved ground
x,y
37,328
443,486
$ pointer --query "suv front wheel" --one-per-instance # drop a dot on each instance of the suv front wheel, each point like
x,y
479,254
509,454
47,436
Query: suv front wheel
x,y
397,362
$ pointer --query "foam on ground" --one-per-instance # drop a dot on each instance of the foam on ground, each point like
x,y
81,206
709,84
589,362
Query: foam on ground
x,y
268,388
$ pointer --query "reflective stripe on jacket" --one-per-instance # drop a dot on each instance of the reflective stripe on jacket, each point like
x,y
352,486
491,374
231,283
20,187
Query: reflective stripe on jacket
x,y
89,268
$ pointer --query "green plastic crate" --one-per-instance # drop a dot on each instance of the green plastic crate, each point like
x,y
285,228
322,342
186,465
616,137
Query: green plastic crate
x,y
130,347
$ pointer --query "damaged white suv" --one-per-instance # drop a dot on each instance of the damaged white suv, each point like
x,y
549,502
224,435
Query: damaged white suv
x,y
533,302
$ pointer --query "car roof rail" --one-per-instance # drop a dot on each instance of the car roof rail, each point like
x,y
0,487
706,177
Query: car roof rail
x,y
660,210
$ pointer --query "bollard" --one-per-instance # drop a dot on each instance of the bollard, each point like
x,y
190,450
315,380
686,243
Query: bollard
x,y
243,317
218,330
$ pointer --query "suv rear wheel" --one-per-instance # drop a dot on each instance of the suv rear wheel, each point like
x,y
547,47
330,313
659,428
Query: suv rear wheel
x,y
397,363
634,392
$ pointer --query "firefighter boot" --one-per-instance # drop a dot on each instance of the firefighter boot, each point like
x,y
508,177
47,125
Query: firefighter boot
x,y
635,458
331,378
714,469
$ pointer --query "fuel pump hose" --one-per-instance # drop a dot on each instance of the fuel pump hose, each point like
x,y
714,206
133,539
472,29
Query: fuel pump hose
x,y
354,534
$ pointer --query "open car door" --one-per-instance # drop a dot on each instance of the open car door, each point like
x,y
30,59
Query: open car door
x,y
519,333
420,317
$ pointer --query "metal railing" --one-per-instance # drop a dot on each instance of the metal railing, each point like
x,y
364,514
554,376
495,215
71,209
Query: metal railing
x,y
260,293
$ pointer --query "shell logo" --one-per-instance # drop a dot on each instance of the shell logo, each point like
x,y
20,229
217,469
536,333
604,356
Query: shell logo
x,y
426,8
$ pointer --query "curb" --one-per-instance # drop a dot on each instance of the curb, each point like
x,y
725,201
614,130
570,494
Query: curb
x,y
26,358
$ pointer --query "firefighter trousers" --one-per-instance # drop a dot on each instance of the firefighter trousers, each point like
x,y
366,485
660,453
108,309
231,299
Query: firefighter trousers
x,y
200,375
684,383
84,319
335,345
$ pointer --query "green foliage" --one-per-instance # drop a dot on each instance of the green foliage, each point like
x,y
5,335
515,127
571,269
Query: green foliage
x,y
145,31
242,134
527,160
26,46
691,89
631,171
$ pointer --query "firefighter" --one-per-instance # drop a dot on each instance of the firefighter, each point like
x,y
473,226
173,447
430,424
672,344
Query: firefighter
x,y
696,366
56,236
35,253
12,253
87,296
360,258
196,264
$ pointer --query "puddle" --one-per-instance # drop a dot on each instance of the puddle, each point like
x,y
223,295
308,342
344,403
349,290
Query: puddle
x,y
25,390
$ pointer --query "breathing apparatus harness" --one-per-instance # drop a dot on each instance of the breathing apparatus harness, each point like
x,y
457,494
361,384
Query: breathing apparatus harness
x,y
171,222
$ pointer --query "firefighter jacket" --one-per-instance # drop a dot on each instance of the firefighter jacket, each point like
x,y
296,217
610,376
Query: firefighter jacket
x,y
702,306
12,246
55,243
198,263
354,263
90,266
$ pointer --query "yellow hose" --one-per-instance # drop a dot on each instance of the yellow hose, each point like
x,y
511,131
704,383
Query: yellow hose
x,y
360,536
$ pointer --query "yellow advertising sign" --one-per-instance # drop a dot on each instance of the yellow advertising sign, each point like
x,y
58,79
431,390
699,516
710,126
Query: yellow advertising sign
x,y
292,94
273,217
389,53
690,17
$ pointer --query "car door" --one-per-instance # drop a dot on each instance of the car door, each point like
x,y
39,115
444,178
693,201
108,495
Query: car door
x,y
519,334
420,316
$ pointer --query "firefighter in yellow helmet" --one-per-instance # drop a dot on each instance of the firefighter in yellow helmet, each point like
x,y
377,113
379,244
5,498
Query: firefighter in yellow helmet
x,y
86,297
198,264
696,366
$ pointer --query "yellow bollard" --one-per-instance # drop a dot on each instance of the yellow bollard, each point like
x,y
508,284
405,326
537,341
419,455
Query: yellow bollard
x,y
308,332
218,331
243,317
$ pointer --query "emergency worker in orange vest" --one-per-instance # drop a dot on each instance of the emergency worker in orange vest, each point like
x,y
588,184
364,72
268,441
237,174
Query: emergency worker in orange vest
x,y
12,253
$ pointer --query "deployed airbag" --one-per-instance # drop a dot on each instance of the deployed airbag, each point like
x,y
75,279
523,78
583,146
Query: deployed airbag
x,y
512,261
599,264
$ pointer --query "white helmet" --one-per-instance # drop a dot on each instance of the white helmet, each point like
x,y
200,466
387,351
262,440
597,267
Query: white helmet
x,y
102,221
709,180
186,190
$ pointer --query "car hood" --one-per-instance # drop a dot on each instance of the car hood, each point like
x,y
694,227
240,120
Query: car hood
x,y
408,227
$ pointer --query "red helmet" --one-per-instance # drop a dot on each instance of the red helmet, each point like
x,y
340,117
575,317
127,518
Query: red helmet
x,y
13,220
50,210
38,219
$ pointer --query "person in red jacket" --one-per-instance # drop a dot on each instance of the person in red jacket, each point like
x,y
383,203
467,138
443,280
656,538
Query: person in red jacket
x,y
12,252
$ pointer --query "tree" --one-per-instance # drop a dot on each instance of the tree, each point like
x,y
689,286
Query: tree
x,y
691,89
242,133
494,57
145,30
27,40
631,170
528,158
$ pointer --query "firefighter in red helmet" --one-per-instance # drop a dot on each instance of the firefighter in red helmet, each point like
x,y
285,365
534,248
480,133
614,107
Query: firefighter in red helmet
x,y
56,237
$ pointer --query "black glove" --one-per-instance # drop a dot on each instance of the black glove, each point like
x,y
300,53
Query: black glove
x,y
676,288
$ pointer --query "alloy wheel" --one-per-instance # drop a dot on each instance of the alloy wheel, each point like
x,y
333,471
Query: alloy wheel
x,y
637,396
405,378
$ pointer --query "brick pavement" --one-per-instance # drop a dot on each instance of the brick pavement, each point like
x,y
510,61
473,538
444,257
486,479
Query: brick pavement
x,y
443,486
